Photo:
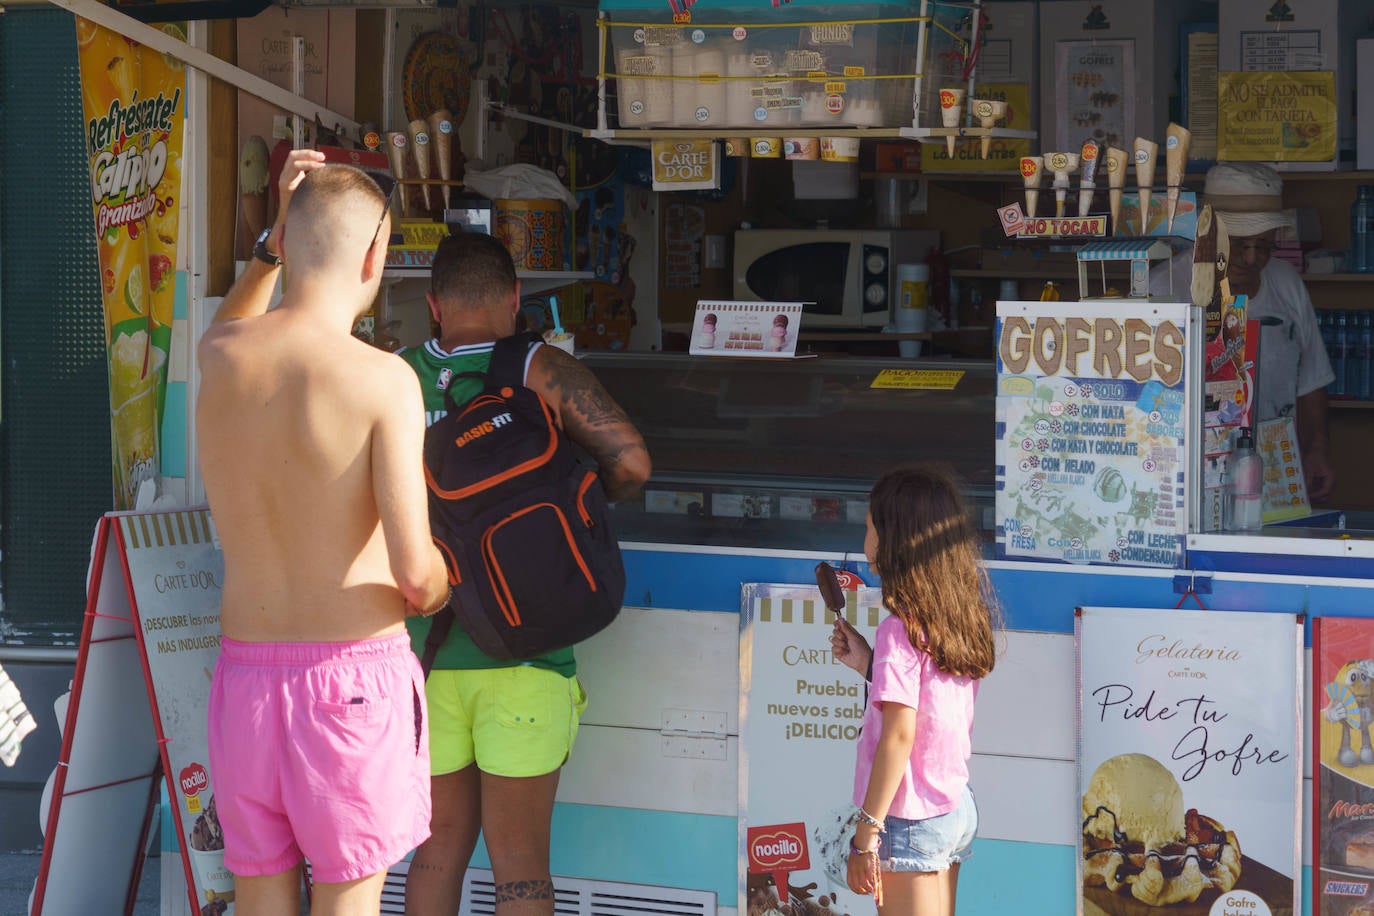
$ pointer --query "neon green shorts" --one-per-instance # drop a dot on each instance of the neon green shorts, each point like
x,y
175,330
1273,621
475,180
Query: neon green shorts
x,y
518,721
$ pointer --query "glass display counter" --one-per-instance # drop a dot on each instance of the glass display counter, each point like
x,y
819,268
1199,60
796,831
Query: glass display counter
x,y
782,454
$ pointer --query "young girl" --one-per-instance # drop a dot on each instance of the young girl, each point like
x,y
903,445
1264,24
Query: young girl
x,y
916,816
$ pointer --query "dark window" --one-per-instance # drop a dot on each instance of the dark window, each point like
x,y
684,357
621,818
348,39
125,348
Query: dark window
x,y
54,393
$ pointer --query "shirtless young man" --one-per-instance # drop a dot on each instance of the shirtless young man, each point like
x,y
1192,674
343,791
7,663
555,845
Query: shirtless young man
x,y
310,444
501,731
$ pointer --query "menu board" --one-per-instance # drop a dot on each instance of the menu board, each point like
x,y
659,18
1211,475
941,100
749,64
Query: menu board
x,y
1190,747
1343,766
801,716
1091,415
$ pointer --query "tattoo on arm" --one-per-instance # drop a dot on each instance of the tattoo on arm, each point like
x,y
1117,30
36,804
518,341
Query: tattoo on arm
x,y
540,889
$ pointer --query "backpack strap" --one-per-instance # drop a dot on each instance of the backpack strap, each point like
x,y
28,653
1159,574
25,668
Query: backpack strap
x,y
507,368
439,626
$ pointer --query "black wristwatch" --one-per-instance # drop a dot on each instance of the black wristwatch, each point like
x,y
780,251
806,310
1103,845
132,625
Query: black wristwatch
x,y
260,250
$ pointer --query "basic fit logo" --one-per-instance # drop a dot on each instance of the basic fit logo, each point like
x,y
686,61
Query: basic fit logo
x,y
194,779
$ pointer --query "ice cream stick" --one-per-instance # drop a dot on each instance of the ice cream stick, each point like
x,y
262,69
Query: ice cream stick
x,y
1176,143
441,135
951,109
1061,164
1116,180
1032,173
988,113
1090,155
1145,153
396,145
419,143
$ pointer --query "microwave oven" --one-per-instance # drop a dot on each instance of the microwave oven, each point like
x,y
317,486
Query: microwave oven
x,y
847,278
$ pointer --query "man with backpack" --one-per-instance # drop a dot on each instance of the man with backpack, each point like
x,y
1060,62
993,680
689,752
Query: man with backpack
x,y
501,730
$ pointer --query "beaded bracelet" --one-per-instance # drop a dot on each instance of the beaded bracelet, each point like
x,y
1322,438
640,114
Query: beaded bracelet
x,y
855,851
872,821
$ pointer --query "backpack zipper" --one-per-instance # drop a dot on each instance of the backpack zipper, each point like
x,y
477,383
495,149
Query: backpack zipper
x,y
498,578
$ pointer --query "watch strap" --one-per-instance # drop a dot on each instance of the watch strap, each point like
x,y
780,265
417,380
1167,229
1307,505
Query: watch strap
x,y
261,252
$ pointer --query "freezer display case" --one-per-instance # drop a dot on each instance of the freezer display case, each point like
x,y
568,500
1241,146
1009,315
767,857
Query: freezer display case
x,y
782,455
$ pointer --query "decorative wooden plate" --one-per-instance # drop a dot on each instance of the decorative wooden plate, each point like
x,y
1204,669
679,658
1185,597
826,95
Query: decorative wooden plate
x,y
435,75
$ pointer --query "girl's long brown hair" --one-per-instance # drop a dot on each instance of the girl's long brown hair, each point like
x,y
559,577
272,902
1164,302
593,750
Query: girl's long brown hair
x,y
931,570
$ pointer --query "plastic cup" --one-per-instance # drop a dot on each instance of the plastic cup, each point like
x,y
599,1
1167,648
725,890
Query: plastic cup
x,y
912,315
562,341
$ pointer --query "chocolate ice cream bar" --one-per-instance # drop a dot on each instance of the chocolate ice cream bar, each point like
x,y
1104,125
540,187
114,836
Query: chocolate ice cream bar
x,y
829,585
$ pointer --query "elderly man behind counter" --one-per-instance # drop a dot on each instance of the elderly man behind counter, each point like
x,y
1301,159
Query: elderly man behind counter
x,y
1294,369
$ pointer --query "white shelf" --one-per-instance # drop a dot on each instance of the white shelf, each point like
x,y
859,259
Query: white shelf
x,y
531,281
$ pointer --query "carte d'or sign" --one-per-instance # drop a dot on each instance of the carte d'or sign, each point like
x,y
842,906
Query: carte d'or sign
x,y
1105,347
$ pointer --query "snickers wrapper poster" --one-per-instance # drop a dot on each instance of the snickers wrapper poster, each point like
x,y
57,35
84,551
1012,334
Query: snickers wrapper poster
x,y
1343,766
133,100
801,714
1189,762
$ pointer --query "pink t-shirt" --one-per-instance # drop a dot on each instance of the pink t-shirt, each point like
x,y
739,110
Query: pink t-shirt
x,y
938,769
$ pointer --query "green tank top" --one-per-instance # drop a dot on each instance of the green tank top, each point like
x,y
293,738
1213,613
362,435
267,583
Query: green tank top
x,y
438,370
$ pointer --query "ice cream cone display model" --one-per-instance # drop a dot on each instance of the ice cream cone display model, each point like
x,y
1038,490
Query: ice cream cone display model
x,y
253,181
951,110
419,147
441,135
1032,173
396,147
1061,164
988,113
1176,142
1090,158
1116,181
1145,152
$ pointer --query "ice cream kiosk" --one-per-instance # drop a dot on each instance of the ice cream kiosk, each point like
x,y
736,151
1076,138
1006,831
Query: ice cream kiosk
x,y
1148,740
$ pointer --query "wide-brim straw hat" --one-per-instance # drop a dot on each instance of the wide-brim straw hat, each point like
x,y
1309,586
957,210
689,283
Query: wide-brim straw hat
x,y
1248,196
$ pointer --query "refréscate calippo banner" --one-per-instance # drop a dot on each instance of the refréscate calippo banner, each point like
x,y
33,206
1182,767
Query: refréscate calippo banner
x,y
134,104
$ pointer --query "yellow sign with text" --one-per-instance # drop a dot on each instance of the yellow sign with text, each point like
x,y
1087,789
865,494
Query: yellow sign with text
x,y
1277,116
933,379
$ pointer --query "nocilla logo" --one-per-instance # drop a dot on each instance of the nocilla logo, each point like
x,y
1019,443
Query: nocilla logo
x,y
473,433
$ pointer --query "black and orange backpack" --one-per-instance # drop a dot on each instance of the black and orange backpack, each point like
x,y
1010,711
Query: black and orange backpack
x,y
524,527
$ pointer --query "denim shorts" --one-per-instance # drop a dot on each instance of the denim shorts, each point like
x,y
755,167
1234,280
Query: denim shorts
x,y
932,844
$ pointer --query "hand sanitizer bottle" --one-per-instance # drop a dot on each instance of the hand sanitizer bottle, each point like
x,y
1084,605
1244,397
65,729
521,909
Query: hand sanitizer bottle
x,y
1246,479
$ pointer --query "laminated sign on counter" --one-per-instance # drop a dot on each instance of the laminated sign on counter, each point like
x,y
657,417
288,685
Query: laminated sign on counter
x,y
751,329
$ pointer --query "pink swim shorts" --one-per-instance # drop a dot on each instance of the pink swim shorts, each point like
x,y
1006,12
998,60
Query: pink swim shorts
x,y
319,750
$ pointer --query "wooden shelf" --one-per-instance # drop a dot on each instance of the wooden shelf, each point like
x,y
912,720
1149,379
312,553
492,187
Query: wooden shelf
x,y
1050,273
1338,278
1340,403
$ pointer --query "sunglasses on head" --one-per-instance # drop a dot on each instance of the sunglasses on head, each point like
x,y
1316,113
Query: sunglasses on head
x,y
387,185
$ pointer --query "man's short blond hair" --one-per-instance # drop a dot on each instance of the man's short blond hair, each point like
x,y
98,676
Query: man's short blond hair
x,y
334,215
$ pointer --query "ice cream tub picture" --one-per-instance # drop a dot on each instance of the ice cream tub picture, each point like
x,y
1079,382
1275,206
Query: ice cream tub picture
x,y
1190,762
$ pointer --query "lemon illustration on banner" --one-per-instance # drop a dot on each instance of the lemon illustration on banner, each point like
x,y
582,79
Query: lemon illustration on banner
x,y
133,291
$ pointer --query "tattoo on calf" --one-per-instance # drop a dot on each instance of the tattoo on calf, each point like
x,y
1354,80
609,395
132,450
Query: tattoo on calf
x,y
524,890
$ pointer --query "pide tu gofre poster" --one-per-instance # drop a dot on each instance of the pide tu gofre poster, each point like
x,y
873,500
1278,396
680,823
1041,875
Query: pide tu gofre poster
x,y
1343,766
1189,762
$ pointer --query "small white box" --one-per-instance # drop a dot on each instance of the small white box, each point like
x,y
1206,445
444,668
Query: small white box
x,y
1112,67
1311,35
1364,114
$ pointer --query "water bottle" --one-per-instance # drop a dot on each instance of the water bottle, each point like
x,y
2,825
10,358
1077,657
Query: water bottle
x,y
1338,353
1326,324
1245,480
1366,390
1356,355
1362,231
